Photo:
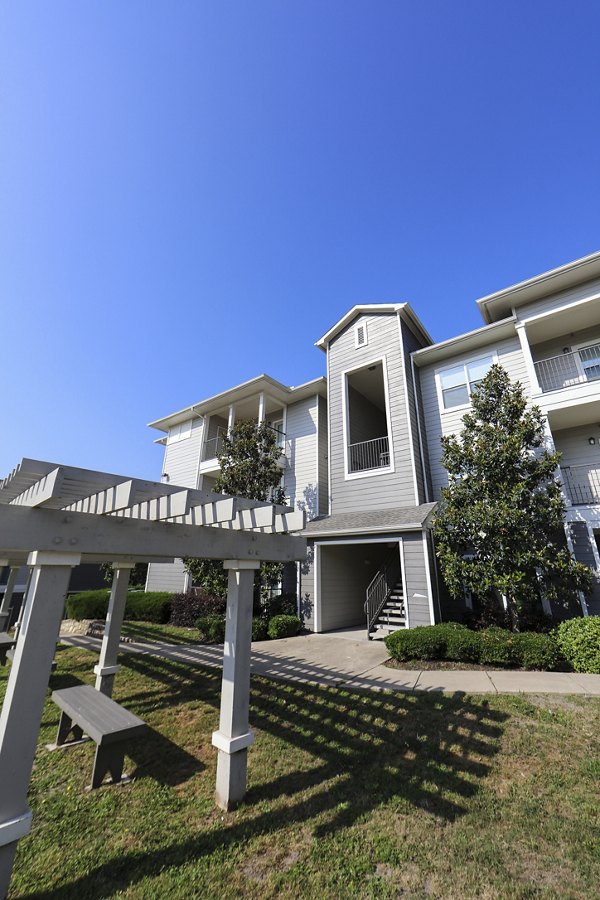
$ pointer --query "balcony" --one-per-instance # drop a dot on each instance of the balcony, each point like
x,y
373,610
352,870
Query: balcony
x,y
582,484
366,455
213,446
577,367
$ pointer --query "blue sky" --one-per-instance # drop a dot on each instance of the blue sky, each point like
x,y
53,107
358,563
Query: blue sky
x,y
191,193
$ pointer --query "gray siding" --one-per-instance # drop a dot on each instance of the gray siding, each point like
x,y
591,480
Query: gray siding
x,y
440,422
301,473
574,446
559,300
181,465
323,459
380,490
584,553
556,346
307,588
415,573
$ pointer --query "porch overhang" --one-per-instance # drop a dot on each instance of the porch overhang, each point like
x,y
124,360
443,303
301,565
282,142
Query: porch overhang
x,y
406,518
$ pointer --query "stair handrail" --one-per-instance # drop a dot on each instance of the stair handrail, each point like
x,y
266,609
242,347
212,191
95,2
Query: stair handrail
x,y
381,586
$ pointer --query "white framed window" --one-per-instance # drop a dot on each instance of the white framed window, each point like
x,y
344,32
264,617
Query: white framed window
x,y
361,338
179,432
456,383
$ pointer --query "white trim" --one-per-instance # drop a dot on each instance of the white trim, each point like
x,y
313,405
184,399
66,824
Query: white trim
x,y
317,474
404,588
408,417
582,601
328,443
595,550
421,447
493,354
527,356
384,540
536,317
428,577
384,470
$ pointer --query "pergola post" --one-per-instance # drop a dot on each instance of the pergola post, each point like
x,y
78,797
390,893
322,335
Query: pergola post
x,y
107,666
24,701
234,737
7,598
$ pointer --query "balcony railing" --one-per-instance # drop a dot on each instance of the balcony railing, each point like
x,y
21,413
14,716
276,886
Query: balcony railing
x,y
582,484
568,369
214,445
367,455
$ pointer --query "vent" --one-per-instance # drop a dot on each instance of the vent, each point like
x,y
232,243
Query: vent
x,y
360,335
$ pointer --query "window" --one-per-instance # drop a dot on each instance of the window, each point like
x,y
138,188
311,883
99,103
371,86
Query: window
x,y
179,432
458,382
360,335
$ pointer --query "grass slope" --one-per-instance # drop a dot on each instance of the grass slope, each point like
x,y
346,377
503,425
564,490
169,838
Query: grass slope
x,y
350,795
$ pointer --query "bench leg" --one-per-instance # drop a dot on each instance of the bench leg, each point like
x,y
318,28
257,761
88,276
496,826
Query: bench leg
x,y
108,759
65,728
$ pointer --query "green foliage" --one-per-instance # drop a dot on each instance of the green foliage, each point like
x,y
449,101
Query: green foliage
x,y
187,607
283,626
499,523
492,647
136,579
579,641
279,605
212,628
249,469
154,606
259,629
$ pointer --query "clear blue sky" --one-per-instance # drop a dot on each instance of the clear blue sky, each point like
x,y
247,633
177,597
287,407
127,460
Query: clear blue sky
x,y
191,193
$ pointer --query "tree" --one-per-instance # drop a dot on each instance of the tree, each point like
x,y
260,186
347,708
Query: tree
x,y
249,468
499,525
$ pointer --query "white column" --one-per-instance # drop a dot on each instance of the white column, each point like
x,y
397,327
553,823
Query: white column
x,y
231,419
529,364
234,736
107,666
261,407
24,701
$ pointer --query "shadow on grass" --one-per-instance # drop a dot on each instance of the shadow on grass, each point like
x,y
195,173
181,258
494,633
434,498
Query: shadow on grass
x,y
140,631
405,751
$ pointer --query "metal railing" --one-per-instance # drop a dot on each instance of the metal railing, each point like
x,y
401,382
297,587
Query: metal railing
x,y
381,587
214,445
366,455
582,484
577,367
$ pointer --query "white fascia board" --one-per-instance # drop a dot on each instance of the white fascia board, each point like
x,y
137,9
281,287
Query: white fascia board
x,y
465,343
561,278
363,308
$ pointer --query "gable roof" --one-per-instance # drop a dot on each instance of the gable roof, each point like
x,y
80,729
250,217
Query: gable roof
x,y
404,310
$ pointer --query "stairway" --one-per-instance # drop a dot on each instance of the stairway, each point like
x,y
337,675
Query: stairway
x,y
384,606
392,615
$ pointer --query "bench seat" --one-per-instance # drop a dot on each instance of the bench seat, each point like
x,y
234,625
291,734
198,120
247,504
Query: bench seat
x,y
85,710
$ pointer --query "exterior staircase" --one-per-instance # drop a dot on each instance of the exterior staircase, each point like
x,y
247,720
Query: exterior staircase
x,y
384,606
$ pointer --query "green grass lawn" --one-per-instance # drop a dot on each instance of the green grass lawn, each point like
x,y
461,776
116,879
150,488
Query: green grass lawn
x,y
350,795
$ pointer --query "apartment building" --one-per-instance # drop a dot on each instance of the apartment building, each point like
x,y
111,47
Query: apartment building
x,y
361,448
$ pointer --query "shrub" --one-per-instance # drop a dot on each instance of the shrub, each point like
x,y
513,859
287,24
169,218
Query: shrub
x,y
139,606
212,628
535,651
187,607
423,642
283,626
463,645
496,647
153,606
259,629
579,642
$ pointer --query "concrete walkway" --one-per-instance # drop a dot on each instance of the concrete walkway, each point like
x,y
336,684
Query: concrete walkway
x,y
344,659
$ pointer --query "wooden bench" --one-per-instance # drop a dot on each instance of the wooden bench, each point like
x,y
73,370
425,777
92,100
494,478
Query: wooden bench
x,y
86,710
6,644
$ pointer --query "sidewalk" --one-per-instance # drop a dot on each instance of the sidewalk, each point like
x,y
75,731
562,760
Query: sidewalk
x,y
328,660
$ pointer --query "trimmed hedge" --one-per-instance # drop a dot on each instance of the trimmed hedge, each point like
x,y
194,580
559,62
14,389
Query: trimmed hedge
x,y
212,628
154,606
492,647
579,642
283,626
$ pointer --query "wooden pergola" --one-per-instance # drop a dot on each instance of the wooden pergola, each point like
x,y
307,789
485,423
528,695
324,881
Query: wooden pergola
x,y
54,517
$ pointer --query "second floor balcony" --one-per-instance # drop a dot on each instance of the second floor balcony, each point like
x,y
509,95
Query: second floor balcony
x,y
374,454
582,484
576,367
213,446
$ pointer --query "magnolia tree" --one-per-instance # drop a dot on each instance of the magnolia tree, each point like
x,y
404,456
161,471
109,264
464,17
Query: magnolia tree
x,y
499,528
249,468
